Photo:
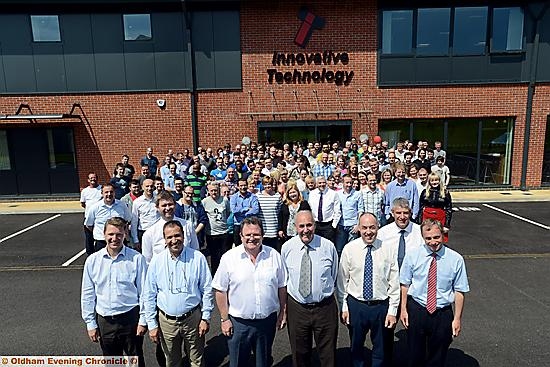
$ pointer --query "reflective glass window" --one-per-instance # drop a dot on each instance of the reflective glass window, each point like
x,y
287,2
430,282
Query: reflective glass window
x,y
470,31
507,29
137,27
45,28
397,32
5,163
432,35
61,148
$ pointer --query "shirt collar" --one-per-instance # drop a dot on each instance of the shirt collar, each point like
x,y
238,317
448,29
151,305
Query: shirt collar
x,y
375,245
440,253
105,253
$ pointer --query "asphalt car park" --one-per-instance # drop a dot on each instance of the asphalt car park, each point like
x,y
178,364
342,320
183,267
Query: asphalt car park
x,y
507,252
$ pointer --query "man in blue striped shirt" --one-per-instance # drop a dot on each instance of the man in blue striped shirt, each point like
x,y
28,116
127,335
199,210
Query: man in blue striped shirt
x,y
112,283
404,188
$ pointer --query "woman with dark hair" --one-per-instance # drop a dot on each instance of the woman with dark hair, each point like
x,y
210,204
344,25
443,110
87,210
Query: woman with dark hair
x,y
293,202
436,203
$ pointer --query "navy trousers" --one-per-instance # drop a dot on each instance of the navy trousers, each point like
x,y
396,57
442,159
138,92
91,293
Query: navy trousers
x,y
248,335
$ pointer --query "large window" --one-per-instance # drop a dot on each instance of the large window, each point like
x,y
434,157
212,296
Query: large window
x,y
507,30
470,31
397,32
464,29
479,151
45,28
432,34
137,27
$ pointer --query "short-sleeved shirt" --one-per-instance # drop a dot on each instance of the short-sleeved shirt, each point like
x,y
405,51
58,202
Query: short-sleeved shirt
x,y
252,289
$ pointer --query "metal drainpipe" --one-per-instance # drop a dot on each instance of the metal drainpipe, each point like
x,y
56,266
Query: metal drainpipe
x,y
531,94
193,91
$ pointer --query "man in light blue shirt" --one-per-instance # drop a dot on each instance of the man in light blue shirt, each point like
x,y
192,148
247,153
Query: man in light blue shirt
x,y
112,283
311,263
178,285
352,206
101,211
432,277
404,188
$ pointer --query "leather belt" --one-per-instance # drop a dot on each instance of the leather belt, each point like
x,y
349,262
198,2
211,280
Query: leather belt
x,y
373,302
180,317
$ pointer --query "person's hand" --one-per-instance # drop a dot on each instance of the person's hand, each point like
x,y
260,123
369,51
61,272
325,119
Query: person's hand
x,y
227,327
204,326
404,318
281,321
141,330
345,318
281,234
94,335
154,335
456,328
390,321
354,229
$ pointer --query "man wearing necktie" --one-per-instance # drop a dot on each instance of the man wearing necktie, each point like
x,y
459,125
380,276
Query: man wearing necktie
x,y
404,235
325,207
368,291
432,277
311,263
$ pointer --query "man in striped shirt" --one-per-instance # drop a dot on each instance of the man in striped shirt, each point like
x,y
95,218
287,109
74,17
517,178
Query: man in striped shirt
x,y
373,199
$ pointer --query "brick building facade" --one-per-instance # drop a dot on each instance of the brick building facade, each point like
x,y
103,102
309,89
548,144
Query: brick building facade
x,y
110,124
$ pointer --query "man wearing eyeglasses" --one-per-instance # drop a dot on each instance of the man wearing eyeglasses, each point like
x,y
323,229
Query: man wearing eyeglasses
x,y
112,284
178,285
250,289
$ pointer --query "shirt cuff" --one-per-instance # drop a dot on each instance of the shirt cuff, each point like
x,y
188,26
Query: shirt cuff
x,y
152,325
91,325
206,315
392,311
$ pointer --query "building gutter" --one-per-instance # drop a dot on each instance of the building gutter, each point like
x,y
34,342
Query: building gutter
x,y
193,89
537,16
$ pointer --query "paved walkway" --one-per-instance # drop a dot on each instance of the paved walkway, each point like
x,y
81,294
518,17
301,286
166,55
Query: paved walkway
x,y
55,207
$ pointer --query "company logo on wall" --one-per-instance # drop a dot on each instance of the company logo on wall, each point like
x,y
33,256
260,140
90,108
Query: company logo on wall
x,y
310,22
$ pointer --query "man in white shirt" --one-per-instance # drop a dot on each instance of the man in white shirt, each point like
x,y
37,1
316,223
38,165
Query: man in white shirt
x,y
325,206
368,291
144,213
250,288
153,239
90,195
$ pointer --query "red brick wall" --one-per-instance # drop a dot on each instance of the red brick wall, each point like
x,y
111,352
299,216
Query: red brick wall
x,y
118,123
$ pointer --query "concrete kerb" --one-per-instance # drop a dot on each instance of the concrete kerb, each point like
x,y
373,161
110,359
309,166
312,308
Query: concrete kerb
x,y
42,207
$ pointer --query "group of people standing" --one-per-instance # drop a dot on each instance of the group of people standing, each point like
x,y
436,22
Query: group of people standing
x,y
286,248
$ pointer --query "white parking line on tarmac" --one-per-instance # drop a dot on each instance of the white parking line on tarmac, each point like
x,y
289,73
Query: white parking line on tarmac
x,y
517,216
29,228
68,262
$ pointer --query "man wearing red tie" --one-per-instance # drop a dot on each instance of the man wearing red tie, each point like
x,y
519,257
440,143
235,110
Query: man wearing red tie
x,y
432,277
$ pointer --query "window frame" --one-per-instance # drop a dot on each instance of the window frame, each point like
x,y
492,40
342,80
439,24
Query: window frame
x,y
124,29
35,16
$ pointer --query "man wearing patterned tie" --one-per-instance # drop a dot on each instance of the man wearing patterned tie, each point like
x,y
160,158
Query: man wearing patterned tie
x,y
311,263
432,277
368,291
